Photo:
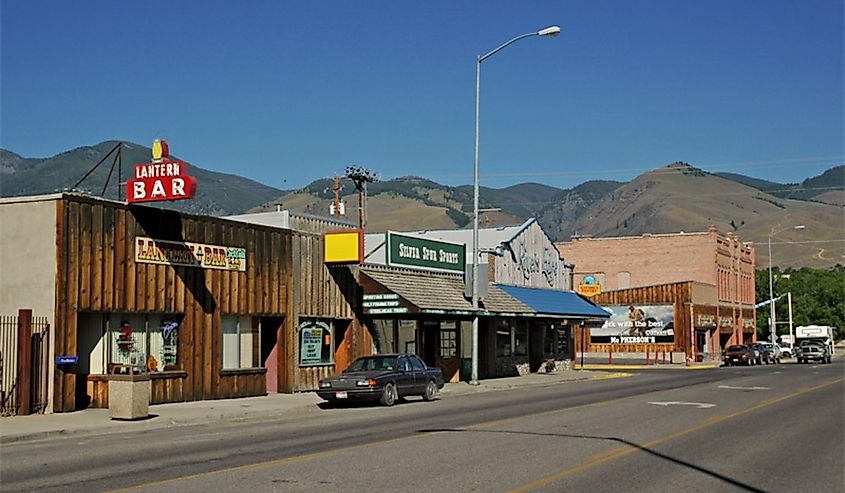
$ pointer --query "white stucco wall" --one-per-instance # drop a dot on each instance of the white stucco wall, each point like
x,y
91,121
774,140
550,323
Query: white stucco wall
x,y
28,256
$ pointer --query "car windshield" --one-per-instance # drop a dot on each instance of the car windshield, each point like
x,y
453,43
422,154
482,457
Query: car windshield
x,y
373,363
736,348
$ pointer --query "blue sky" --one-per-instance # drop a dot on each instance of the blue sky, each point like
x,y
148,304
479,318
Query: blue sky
x,y
289,92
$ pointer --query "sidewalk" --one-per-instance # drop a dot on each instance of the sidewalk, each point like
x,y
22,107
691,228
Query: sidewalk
x,y
97,421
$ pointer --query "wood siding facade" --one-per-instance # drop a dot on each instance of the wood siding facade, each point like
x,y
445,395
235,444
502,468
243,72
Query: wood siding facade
x,y
695,309
285,280
330,293
530,259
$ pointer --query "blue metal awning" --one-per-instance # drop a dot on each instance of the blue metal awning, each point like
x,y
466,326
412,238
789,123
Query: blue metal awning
x,y
554,302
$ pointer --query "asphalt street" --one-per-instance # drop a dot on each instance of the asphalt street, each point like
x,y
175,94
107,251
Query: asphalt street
x,y
765,428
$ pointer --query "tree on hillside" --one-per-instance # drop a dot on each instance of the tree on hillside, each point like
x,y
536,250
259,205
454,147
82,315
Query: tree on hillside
x,y
818,298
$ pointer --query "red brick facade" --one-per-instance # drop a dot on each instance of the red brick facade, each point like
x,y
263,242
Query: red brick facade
x,y
725,262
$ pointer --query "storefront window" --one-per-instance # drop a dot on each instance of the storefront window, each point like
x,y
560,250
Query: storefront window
x,y
407,336
504,345
448,339
563,340
148,340
549,339
520,338
240,342
384,340
315,343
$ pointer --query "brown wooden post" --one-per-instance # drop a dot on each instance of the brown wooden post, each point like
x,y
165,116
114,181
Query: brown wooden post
x,y
24,384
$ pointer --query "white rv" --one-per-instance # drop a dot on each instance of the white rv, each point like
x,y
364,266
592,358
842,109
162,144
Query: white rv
x,y
818,333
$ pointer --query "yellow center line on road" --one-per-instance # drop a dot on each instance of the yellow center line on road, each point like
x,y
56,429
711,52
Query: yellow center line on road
x,y
487,424
625,450
331,452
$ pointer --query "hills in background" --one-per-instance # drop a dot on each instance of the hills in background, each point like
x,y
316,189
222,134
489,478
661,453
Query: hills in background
x,y
677,197
218,194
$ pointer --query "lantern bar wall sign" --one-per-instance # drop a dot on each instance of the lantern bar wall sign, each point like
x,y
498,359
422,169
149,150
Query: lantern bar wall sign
x,y
162,179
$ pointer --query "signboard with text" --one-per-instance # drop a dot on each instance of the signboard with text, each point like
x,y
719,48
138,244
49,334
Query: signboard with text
x,y
382,304
640,324
151,251
311,342
423,253
589,286
160,180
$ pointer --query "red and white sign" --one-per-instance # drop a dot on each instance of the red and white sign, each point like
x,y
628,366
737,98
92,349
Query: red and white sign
x,y
160,180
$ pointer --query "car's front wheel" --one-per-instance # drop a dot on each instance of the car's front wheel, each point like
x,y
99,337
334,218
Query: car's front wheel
x,y
430,391
389,395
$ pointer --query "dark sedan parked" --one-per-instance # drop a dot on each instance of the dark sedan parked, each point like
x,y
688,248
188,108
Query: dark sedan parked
x,y
383,377
739,354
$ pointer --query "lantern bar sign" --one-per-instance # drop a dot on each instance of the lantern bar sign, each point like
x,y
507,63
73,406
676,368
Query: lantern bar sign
x,y
161,179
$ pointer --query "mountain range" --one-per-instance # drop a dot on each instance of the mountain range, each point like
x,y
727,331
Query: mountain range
x,y
672,198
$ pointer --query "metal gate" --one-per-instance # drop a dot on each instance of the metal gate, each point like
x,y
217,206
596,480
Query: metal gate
x,y
31,379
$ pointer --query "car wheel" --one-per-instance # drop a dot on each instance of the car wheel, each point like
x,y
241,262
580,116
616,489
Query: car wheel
x,y
389,395
430,391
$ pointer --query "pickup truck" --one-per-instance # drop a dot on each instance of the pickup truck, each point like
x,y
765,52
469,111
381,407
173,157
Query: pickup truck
x,y
808,350
822,334
383,377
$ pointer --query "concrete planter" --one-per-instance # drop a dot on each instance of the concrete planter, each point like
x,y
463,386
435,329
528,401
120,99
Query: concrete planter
x,y
129,396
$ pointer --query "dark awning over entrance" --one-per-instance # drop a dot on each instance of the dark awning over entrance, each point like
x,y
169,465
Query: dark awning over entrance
x,y
430,292
554,302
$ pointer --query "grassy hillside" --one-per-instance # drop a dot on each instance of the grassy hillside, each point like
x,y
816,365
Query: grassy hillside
x,y
680,197
217,193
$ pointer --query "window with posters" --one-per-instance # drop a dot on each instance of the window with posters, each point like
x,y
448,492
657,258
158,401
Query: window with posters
x,y
109,341
315,343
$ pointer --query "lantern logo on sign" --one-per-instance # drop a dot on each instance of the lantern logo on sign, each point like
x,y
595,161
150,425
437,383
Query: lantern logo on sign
x,y
160,150
161,179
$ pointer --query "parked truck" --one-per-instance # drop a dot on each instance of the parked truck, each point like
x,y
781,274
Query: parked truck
x,y
816,333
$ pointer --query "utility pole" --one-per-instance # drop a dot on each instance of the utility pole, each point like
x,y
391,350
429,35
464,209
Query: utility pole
x,y
360,177
336,208
789,299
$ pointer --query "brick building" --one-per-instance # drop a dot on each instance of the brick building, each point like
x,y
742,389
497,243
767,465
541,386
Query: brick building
x,y
724,262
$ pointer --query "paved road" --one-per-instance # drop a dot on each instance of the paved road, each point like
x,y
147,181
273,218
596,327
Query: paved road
x,y
767,428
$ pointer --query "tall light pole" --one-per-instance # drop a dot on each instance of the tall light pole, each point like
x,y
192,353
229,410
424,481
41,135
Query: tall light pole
x,y
772,322
549,31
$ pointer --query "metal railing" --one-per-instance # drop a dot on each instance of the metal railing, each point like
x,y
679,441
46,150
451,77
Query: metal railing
x,y
37,376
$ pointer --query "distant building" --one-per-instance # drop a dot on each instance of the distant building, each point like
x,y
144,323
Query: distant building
x,y
724,262
416,294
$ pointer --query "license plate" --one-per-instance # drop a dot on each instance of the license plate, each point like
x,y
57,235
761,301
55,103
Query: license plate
x,y
340,395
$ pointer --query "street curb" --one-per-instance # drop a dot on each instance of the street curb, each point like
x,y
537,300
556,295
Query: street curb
x,y
161,420
649,367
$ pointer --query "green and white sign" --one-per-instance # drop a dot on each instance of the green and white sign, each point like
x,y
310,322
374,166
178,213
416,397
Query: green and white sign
x,y
422,253
311,342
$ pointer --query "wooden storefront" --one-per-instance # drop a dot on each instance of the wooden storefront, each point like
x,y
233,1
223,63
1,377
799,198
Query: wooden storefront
x,y
98,273
238,330
700,323
322,292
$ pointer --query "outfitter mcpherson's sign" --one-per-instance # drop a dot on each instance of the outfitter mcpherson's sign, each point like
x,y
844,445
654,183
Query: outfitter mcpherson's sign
x,y
160,180
422,253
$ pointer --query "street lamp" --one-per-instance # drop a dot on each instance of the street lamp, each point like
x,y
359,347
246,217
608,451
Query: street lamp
x,y
772,322
549,31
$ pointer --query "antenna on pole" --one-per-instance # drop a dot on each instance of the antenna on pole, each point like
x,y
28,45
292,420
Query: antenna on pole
x,y
337,207
360,177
